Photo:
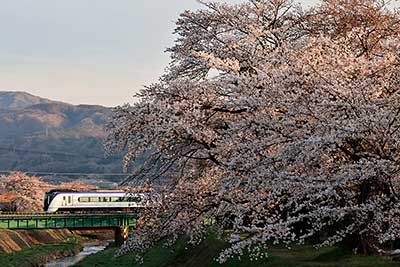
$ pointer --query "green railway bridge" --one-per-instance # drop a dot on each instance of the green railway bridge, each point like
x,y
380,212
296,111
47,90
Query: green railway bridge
x,y
119,222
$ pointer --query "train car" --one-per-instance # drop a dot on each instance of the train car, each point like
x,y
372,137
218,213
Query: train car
x,y
64,200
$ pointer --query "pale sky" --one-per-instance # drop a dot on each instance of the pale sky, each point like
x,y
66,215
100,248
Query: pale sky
x,y
86,51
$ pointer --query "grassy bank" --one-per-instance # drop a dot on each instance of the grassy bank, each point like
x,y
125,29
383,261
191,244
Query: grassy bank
x,y
40,254
205,253
17,240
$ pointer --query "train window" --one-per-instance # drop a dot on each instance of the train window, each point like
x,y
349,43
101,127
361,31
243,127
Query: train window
x,y
83,199
114,199
69,199
94,199
105,199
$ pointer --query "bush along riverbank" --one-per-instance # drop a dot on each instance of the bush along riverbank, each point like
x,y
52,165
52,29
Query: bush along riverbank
x,y
204,254
40,254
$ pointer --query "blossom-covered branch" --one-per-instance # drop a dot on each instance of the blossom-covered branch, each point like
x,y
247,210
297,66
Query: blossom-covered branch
x,y
274,121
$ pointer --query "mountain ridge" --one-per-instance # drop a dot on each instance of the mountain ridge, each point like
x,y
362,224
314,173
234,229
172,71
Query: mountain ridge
x,y
40,114
32,123
20,99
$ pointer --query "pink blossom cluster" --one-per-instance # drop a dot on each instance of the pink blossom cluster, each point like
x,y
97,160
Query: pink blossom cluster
x,y
277,124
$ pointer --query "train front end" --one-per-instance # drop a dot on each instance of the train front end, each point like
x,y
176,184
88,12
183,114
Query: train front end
x,y
48,198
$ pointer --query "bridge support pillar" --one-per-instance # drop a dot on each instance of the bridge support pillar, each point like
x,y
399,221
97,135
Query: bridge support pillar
x,y
120,235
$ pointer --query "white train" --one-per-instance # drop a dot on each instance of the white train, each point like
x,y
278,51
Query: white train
x,y
62,200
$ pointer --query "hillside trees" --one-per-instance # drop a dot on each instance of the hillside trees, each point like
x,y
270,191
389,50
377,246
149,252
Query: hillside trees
x,y
276,122
22,192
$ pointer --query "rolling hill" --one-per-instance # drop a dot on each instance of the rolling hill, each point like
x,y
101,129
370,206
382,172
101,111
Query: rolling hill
x,y
41,135
19,100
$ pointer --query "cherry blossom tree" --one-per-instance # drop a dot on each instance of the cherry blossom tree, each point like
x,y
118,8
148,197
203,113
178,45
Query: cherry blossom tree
x,y
273,121
22,192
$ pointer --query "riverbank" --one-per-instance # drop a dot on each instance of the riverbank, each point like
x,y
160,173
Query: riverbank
x,y
89,248
40,254
26,248
204,254
36,247
13,241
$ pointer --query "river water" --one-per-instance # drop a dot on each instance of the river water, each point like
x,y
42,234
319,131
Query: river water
x,y
88,249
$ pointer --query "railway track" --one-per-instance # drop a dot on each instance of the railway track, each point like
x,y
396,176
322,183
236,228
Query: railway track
x,y
65,214
119,222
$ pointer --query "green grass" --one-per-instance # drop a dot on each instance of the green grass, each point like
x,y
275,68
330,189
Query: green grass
x,y
205,253
35,255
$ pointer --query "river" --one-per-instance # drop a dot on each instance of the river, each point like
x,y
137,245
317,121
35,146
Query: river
x,y
88,249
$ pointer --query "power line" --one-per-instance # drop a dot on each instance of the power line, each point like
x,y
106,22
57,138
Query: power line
x,y
65,173
55,153
17,150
